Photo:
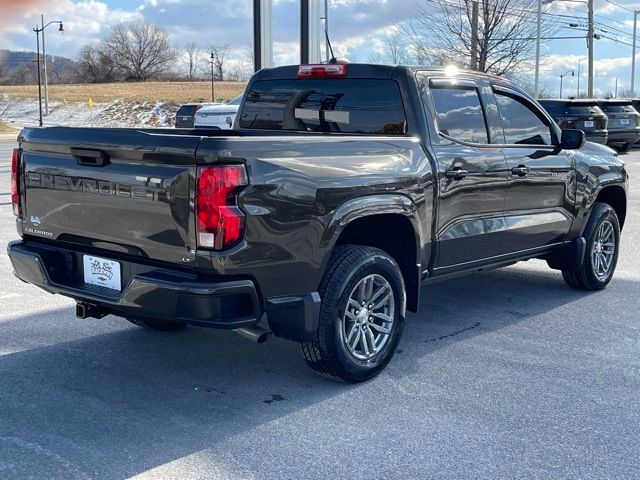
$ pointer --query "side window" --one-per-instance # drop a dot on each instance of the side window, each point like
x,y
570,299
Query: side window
x,y
521,124
459,113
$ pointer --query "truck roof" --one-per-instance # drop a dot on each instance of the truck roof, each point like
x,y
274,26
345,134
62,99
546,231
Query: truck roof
x,y
365,70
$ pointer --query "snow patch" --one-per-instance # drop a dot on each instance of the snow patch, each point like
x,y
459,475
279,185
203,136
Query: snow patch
x,y
115,114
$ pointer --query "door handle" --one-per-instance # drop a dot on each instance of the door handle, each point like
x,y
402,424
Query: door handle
x,y
520,170
93,158
456,174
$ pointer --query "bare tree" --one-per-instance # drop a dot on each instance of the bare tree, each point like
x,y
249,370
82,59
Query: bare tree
x,y
25,74
220,53
396,50
442,33
5,104
191,60
139,50
95,66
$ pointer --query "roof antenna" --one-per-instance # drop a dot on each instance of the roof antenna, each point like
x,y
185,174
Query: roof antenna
x,y
333,59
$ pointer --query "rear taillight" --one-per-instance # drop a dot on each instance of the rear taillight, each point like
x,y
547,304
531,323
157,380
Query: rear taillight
x,y
220,223
322,71
15,174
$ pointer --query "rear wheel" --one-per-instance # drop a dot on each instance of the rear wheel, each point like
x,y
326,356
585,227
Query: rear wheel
x,y
624,148
159,325
602,235
361,315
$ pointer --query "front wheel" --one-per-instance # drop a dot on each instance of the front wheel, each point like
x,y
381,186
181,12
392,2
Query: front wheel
x,y
602,235
361,315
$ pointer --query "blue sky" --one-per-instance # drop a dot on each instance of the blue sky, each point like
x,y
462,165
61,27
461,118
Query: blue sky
x,y
358,27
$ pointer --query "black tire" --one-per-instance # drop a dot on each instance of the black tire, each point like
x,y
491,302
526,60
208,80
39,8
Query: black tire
x,y
158,325
624,148
585,277
328,353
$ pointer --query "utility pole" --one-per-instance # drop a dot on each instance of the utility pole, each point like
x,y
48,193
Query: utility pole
x,y
633,54
39,82
539,20
44,68
326,30
590,46
474,35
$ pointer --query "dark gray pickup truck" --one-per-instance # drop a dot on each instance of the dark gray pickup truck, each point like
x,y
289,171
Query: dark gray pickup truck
x,y
340,191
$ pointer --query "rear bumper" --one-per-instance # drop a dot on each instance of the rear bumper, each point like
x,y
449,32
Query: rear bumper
x,y
597,137
624,136
165,294
155,294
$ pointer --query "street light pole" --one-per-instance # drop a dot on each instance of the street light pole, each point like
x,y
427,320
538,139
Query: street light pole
x,y
38,30
38,62
537,76
562,75
44,70
578,88
213,91
633,53
590,38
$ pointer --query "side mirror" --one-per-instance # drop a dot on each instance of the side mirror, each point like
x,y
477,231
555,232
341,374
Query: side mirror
x,y
572,139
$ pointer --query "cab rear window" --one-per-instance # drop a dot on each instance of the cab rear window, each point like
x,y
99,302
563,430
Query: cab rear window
x,y
618,108
571,108
187,110
332,105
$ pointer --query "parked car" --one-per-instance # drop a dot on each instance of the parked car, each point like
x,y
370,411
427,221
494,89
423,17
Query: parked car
x,y
342,189
623,125
186,114
219,116
583,115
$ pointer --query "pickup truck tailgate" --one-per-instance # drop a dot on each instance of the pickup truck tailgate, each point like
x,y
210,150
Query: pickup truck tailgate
x,y
127,191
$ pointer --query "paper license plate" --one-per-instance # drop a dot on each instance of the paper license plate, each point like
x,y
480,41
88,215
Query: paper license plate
x,y
588,123
102,272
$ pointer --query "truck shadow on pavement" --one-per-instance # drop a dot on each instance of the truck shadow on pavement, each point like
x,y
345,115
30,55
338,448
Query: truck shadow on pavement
x,y
127,401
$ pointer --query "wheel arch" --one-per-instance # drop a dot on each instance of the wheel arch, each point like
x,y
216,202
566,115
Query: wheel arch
x,y
616,197
388,222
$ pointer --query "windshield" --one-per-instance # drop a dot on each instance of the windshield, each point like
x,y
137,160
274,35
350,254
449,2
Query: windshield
x,y
235,101
325,105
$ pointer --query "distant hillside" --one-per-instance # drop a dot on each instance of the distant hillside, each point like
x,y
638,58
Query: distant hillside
x,y
20,67
11,60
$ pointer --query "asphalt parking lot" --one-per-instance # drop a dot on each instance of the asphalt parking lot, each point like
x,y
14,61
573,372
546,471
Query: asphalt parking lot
x,y
504,374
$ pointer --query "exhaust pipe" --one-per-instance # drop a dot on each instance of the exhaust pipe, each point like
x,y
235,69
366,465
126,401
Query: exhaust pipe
x,y
255,334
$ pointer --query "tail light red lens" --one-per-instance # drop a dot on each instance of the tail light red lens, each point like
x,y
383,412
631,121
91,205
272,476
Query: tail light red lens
x,y
220,223
322,71
15,173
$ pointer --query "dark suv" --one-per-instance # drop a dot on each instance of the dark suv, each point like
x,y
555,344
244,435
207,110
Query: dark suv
x,y
583,115
624,123
185,115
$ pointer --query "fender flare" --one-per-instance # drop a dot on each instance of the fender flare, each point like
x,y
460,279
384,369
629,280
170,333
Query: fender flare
x,y
374,205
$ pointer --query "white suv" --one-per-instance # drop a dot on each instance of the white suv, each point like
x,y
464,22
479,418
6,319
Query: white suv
x,y
220,115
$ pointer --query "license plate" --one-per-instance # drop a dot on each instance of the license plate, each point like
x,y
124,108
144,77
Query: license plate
x,y
588,123
624,121
101,272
